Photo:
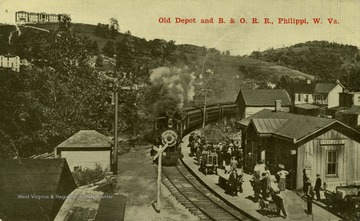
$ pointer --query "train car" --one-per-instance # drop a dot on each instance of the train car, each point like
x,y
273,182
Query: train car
x,y
182,124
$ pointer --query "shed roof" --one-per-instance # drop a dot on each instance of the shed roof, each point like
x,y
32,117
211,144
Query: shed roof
x,y
307,106
264,97
354,110
33,177
324,88
300,87
266,125
295,127
86,139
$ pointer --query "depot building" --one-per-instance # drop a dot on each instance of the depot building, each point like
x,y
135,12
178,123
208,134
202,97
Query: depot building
x,y
304,145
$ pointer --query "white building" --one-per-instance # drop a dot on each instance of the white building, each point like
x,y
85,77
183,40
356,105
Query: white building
x,y
10,61
22,16
32,17
86,149
321,94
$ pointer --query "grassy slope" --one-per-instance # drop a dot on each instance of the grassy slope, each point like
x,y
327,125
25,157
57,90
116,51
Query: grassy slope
x,y
227,67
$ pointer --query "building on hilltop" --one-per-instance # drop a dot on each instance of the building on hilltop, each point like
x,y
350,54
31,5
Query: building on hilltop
x,y
32,17
10,61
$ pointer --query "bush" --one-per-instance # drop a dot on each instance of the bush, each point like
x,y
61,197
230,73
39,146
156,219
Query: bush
x,y
87,176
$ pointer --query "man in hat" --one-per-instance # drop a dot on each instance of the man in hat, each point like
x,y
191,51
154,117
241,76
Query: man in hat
x,y
282,174
317,186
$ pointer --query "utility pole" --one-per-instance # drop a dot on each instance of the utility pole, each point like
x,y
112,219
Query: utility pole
x,y
115,88
116,97
204,114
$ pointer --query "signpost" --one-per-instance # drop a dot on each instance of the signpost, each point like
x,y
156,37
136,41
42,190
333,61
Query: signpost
x,y
159,150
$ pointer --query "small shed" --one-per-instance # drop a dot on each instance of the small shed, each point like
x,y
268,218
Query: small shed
x,y
33,189
86,149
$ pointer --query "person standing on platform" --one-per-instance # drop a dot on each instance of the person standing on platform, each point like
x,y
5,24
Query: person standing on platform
x,y
262,166
279,201
233,183
257,170
309,197
240,180
227,160
317,186
282,174
233,164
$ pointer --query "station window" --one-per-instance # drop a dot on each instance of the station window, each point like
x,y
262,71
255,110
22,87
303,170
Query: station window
x,y
332,163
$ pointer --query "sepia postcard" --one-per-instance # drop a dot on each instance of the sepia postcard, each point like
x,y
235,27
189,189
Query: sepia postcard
x,y
179,110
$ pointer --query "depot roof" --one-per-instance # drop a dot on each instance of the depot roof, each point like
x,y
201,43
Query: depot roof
x,y
292,126
86,139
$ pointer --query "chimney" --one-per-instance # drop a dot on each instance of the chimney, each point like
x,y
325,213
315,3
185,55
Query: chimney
x,y
308,81
277,105
337,81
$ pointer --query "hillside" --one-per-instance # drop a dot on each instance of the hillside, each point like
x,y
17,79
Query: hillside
x,y
226,73
325,60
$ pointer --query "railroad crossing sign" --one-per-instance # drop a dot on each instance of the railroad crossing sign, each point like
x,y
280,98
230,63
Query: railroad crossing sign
x,y
159,150
169,137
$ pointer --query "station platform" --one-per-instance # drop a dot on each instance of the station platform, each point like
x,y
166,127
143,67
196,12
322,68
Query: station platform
x,y
295,206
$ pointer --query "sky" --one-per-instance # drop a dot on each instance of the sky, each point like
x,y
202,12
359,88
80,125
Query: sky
x,y
141,17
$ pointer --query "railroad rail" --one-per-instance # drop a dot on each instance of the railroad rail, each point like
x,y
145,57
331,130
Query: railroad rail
x,y
197,198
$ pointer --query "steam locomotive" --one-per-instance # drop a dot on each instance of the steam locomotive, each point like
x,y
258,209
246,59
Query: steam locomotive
x,y
171,129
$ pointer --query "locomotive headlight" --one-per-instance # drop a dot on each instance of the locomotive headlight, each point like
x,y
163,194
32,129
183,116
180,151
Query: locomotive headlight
x,y
170,123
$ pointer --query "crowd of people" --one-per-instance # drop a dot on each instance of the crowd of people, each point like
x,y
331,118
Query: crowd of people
x,y
267,187
266,191
228,151
229,157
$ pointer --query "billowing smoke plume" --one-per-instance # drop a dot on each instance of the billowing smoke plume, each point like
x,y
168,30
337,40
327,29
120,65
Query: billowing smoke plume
x,y
175,88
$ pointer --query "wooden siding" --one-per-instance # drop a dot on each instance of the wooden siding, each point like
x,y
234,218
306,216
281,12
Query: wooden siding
x,y
252,110
333,97
303,100
314,155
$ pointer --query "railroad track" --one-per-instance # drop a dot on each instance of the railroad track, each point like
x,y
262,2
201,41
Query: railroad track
x,y
197,198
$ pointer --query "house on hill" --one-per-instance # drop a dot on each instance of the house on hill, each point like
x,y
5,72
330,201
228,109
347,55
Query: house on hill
x,y
305,145
348,110
321,94
252,101
301,92
86,149
10,61
33,189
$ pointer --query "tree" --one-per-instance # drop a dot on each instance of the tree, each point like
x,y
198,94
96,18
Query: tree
x,y
35,119
64,23
283,81
109,49
95,47
114,27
